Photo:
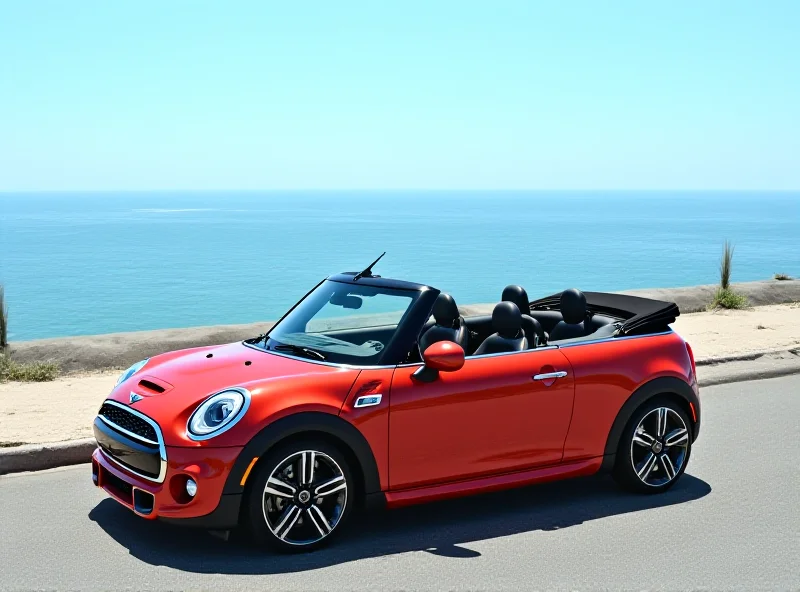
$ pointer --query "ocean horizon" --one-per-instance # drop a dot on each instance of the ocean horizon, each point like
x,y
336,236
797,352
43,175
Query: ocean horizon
x,y
82,263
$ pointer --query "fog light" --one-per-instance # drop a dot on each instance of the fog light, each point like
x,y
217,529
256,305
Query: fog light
x,y
191,487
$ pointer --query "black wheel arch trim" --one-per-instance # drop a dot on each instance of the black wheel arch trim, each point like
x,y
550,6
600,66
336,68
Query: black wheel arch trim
x,y
297,424
664,385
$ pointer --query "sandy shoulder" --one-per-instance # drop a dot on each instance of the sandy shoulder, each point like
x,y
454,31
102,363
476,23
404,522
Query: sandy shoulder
x,y
65,408
733,332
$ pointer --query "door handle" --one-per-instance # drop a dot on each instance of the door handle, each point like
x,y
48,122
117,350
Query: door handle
x,y
549,375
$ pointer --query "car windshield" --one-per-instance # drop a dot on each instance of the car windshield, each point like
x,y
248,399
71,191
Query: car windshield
x,y
342,322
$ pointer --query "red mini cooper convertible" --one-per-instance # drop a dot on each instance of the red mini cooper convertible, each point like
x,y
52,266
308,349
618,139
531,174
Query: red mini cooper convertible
x,y
377,390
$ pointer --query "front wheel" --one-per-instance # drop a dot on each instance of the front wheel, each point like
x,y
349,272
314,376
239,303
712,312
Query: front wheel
x,y
654,449
300,496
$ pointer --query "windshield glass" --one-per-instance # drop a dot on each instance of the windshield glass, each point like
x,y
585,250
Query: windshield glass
x,y
342,323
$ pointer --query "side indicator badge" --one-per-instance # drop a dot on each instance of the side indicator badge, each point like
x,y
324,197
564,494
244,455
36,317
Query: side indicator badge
x,y
368,401
694,413
247,472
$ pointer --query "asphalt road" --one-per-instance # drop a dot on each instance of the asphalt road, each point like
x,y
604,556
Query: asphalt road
x,y
733,522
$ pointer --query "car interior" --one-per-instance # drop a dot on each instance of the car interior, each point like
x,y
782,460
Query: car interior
x,y
512,326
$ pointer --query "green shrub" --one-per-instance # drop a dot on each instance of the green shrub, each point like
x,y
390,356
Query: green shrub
x,y
31,372
782,276
727,298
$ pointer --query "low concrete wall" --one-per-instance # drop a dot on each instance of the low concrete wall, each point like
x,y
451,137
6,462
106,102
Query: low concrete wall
x,y
120,350
696,298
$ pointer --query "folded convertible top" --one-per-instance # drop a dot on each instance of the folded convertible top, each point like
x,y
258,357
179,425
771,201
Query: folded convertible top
x,y
641,315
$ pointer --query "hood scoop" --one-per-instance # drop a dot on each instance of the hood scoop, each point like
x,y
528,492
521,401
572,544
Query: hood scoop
x,y
150,385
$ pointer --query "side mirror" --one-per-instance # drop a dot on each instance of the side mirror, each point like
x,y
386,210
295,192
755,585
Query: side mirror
x,y
442,356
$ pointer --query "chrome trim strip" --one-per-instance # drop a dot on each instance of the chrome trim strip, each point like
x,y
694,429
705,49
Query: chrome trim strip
x,y
547,375
114,461
245,406
524,351
605,339
162,473
495,355
368,400
414,364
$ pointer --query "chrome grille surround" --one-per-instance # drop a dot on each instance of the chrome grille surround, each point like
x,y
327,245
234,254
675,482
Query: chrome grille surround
x,y
159,440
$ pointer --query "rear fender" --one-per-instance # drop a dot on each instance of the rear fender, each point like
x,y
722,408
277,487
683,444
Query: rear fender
x,y
665,385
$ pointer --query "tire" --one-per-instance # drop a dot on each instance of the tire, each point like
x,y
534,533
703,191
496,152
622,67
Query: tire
x,y
654,448
283,513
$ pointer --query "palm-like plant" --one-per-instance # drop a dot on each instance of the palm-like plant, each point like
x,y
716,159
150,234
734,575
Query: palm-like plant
x,y
725,266
725,297
3,319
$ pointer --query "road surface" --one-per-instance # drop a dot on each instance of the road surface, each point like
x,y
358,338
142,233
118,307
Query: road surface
x,y
733,522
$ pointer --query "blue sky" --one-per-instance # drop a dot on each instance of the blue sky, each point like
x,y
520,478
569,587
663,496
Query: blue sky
x,y
505,95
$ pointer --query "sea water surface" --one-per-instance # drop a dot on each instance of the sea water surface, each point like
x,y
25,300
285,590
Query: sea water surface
x,y
77,264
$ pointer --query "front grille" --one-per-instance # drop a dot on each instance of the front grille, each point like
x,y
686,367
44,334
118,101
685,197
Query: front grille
x,y
131,440
128,421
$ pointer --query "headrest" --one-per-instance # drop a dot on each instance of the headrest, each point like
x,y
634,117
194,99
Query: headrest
x,y
506,319
573,306
445,310
518,296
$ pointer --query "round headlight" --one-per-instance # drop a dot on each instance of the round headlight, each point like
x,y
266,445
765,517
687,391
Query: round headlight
x,y
131,371
217,413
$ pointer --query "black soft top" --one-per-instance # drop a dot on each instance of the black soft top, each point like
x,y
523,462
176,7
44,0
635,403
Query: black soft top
x,y
640,315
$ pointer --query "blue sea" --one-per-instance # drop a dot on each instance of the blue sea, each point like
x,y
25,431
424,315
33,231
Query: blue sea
x,y
77,264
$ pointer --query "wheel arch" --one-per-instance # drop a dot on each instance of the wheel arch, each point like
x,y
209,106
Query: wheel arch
x,y
664,386
310,424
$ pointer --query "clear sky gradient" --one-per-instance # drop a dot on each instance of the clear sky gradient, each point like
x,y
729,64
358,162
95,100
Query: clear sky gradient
x,y
344,95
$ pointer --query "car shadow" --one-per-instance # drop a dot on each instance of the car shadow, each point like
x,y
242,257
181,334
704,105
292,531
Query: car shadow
x,y
438,528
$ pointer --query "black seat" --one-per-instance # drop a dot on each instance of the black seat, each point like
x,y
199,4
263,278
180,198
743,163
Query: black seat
x,y
449,325
573,311
507,321
534,331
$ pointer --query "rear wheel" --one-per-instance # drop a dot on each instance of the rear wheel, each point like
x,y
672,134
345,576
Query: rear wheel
x,y
655,448
300,496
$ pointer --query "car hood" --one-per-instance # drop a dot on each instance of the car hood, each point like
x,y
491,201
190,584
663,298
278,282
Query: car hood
x,y
171,386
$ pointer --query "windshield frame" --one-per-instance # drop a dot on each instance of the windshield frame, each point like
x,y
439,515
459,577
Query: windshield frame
x,y
405,335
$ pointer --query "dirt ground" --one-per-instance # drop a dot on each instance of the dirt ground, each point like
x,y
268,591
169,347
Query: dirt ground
x,y
732,332
65,408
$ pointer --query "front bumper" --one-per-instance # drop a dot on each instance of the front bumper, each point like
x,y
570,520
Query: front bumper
x,y
168,500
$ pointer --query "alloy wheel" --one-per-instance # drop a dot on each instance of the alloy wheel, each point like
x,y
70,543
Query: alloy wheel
x,y
304,498
659,447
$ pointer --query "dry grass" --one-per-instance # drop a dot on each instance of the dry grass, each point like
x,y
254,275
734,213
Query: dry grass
x,y
31,372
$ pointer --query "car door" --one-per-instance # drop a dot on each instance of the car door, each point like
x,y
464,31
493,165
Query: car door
x,y
498,413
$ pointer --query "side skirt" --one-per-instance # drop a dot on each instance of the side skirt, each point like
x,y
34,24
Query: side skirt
x,y
406,497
